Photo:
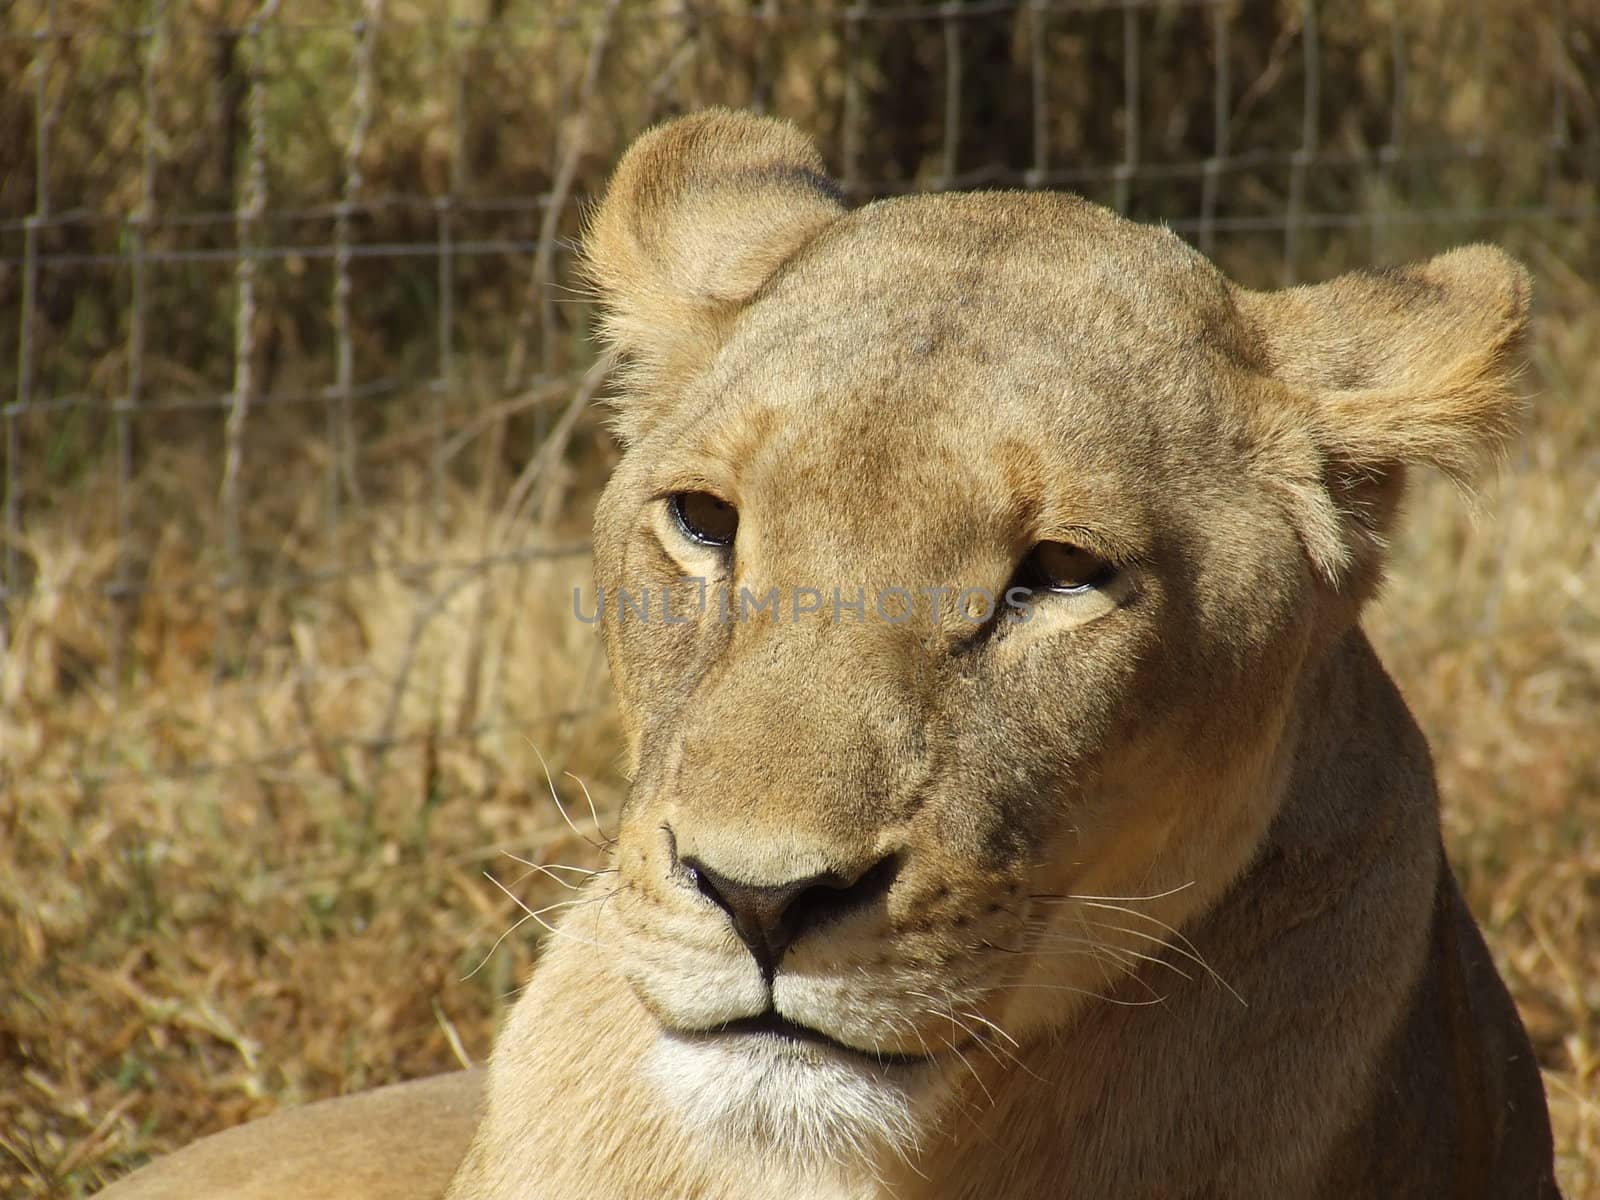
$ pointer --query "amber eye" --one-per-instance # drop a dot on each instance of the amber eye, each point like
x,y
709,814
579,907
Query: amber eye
x,y
1063,567
705,519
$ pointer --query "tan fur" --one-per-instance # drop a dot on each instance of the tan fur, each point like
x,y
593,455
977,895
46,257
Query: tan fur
x,y
393,1143
1157,906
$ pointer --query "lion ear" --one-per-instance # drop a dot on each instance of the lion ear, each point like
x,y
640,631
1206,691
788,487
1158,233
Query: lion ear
x,y
1386,370
700,213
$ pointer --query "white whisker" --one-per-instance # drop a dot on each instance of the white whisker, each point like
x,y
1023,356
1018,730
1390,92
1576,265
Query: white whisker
x,y
1015,1044
1062,987
948,1013
973,1071
1182,946
1094,946
537,915
549,871
488,954
560,807
1064,898
594,813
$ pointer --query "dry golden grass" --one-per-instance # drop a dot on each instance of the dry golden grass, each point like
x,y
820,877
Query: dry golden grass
x,y
184,948
181,901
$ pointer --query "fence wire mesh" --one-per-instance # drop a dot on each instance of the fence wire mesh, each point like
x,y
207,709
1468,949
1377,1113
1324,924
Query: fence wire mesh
x,y
287,293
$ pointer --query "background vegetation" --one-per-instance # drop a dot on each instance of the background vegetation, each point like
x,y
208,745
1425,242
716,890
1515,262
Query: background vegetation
x,y
301,455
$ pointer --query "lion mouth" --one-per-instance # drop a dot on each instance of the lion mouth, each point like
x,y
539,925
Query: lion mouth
x,y
774,1026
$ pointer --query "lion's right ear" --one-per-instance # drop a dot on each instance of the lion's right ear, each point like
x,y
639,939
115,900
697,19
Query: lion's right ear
x,y
1407,367
700,213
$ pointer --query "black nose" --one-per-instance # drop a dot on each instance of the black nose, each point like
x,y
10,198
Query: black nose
x,y
770,917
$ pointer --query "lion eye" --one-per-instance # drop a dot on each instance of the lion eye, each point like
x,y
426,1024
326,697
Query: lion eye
x,y
705,519
1063,567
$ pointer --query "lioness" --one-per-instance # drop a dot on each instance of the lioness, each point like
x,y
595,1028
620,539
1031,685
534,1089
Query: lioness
x,y
1018,808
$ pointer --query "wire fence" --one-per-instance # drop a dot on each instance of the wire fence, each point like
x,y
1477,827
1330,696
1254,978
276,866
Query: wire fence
x,y
286,292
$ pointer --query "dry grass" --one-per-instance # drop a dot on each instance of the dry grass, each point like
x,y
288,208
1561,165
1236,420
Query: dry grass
x,y
188,943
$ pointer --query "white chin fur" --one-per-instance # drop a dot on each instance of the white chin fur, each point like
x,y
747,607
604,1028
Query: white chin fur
x,y
809,1107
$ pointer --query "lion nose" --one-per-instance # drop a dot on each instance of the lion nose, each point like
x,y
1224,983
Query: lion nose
x,y
770,917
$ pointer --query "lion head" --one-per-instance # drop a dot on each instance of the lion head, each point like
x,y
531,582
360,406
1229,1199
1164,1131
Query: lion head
x,y
961,581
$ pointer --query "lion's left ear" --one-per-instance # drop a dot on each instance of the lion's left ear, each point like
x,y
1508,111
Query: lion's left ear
x,y
1385,370
701,212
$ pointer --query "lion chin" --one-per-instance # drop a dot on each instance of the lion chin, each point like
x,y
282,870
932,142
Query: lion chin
x,y
806,1105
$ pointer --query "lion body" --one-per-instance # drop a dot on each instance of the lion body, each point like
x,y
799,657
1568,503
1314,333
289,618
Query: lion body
x,y
1139,896
394,1143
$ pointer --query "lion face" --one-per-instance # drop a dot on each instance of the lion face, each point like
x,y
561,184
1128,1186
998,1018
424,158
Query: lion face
x,y
958,583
